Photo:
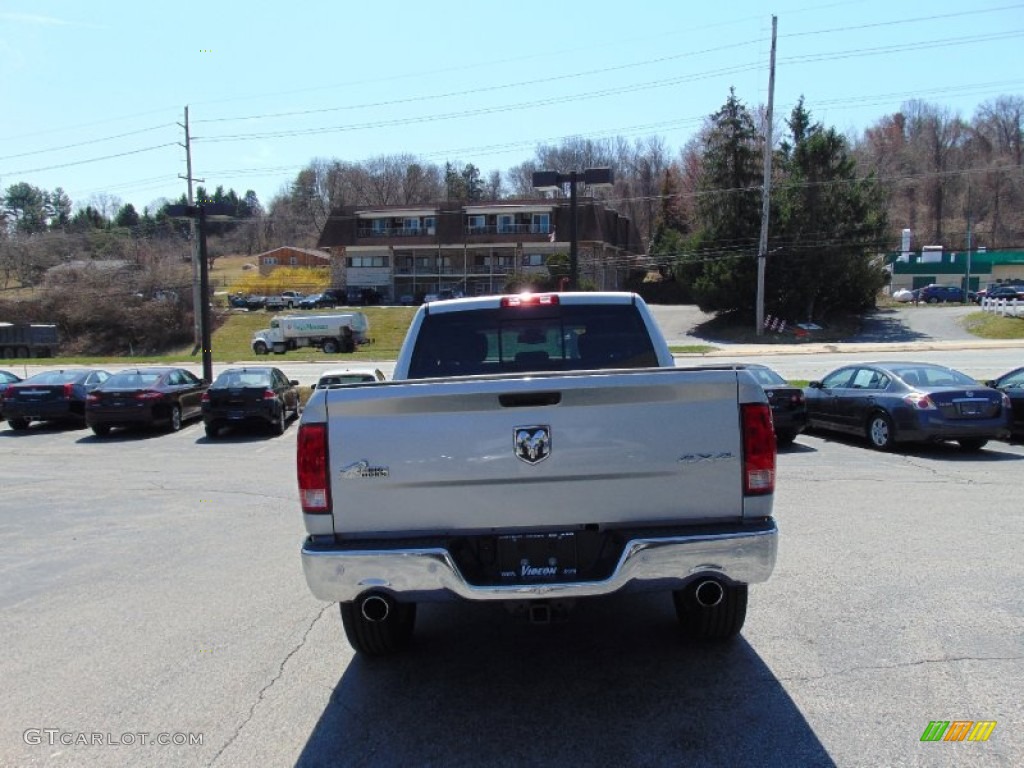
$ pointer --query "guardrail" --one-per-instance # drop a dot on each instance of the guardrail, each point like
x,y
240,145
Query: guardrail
x,y
1004,307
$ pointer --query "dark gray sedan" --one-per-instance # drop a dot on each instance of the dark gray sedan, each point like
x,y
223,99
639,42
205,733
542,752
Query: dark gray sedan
x,y
145,397
903,402
51,396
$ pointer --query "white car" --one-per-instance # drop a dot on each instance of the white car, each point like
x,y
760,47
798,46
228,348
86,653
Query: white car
x,y
348,376
903,295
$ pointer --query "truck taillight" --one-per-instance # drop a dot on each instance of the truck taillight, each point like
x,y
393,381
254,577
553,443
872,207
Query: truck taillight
x,y
205,398
758,450
269,394
312,464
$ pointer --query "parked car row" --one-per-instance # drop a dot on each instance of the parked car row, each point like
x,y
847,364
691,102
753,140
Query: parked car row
x,y
166,397
886,403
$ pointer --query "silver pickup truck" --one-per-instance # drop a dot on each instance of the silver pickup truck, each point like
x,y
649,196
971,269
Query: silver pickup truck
x,y
536,450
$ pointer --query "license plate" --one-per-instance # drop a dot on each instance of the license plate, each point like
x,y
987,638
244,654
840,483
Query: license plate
x,y
236,415
536,558
970,409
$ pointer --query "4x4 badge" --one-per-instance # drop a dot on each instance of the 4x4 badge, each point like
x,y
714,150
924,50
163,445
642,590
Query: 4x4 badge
x,y
532,444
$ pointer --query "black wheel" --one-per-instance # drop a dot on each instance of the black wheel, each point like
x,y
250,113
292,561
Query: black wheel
x,y
260,348
280,424
18,424
174,421
330,346
212,430
784,439
971,444
880,432
717,622
100,430
379,638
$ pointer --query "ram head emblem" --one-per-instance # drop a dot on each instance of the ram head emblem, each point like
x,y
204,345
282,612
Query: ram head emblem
x,y
532,444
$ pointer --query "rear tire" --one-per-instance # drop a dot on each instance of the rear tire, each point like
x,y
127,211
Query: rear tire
x,y
972,444
379,638
260,348
784,439
280,424
880,432
100,430
212,431
18,424
330,346
174,422
719,622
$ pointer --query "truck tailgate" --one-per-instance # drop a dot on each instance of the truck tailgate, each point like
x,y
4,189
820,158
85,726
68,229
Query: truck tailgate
x,y
552,450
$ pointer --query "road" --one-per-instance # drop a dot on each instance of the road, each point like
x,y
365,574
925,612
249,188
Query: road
x,y
151,584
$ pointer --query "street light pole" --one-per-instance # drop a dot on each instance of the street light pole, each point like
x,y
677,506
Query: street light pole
x,y
574,255
550,181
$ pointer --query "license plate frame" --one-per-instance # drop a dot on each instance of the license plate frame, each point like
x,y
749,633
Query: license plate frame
x,y
537,558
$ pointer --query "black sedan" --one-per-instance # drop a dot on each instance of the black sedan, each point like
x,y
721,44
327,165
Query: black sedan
x,y
899,402
6,377
1012,385
789,410
317,301
252,395
51,396
145,397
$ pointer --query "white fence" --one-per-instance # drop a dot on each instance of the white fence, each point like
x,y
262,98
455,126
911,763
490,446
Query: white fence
x,y
1004,307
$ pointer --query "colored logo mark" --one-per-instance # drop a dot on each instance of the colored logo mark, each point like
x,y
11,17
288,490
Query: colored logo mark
x,y
958,730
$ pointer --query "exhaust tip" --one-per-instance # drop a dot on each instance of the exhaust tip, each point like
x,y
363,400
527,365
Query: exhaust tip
x,y
708,593
375,607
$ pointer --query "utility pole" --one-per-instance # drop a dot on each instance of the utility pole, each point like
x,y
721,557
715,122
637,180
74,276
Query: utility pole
x,y
762,249
196,287
967,279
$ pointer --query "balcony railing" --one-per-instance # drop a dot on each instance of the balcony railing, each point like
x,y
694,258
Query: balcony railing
x,y
506,229
397,232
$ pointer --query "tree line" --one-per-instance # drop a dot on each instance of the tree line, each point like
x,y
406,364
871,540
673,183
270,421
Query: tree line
x,y
946,178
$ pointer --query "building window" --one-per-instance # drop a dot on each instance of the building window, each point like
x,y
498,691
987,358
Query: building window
x,y
541,223
506,224
294,260
411,224
380,226
533,259
477,223
270,261
366,261
430,224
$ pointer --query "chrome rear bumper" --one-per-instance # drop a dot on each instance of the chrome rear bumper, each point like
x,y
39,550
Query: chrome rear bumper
x,y
745,555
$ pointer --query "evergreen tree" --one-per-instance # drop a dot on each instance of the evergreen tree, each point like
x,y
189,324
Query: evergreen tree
x,y
828,227
724,273
127,216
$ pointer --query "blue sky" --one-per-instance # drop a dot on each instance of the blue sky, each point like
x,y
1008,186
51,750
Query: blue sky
x,y
93,93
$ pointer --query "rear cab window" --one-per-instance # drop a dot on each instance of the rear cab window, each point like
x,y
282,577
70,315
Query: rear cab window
x,y
560,337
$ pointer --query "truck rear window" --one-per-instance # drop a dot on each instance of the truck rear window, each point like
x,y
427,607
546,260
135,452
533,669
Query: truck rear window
x,y
548,338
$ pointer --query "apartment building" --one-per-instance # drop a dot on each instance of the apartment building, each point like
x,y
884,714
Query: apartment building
x,y
473,249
